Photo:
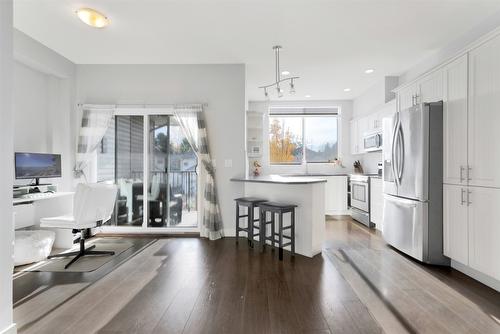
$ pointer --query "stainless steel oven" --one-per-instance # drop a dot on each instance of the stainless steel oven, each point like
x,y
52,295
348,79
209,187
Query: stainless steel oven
x,y
372,142
359,186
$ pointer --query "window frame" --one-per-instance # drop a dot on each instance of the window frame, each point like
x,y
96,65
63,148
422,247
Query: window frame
x,y
303,117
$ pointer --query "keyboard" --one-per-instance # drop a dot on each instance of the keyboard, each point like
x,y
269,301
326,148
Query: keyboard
x,y
36,196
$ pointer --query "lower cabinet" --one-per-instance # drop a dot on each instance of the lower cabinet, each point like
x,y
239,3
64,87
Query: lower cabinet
x,y
484,230
455,229
471,223
336,195
376,202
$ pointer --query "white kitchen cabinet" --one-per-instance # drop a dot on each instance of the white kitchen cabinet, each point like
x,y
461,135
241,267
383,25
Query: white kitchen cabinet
x,y
336,195
484,230
484,114
376,202
407,96
455,229
354,136
455,122
431,87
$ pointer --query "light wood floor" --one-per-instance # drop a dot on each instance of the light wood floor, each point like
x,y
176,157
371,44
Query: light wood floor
x,y
190,285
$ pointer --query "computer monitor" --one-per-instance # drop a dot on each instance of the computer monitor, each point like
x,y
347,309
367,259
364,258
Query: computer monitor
x,y
37,166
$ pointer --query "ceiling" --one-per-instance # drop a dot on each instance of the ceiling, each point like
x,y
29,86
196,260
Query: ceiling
x,y
328,43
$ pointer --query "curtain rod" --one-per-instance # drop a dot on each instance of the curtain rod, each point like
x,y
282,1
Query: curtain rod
x,y
142,106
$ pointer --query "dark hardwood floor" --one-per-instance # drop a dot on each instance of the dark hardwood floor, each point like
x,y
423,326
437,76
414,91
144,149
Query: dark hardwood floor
x,y
191,285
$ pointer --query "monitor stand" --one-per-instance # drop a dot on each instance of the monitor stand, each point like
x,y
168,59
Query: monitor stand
x,y
37,183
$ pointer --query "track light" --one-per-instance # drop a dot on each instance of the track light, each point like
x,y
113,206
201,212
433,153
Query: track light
x,y
292,87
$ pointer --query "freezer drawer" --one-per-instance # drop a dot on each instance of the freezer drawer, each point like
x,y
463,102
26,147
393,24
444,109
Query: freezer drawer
x,y
404,223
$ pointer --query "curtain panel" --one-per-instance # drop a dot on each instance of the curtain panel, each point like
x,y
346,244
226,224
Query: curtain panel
x,y
192,121
95,122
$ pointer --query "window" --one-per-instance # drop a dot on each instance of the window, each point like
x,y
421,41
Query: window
x,y
297,135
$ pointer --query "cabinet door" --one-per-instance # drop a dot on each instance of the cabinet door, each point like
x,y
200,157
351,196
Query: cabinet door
x,y
406,97
336,195
362,130
484,230
455,232
484,114
431,87
455,122
376,202
354,136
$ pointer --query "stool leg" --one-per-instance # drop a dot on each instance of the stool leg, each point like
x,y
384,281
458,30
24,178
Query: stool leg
x,y
273,231
237,222
262,229
292,234
280,233
250,225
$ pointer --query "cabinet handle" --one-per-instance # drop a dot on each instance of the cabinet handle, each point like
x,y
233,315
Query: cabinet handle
x,y
462,170
469,202
469,172
462,199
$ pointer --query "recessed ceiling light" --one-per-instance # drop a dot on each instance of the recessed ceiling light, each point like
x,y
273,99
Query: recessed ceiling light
x,y
307,95
285,73
369,71
347,89
92,17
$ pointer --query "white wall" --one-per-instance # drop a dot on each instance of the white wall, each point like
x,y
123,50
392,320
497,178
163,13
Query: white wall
x,y
221,87
450,50
43,101
345,156
6,226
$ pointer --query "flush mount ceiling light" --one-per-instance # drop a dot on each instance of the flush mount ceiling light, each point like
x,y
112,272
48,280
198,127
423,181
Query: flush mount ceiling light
x,y
347,89
277,84
92,17
369,71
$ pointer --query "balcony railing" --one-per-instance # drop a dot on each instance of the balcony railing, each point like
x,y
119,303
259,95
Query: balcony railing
x,y
184,183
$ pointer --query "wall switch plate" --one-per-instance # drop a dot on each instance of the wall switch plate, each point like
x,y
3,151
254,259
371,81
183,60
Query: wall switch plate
x,y
228,163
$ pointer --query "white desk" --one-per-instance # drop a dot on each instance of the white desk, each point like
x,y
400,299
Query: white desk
x,y
29,211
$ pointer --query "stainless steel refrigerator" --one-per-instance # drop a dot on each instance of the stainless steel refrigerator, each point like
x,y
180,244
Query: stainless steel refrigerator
x,y
413,182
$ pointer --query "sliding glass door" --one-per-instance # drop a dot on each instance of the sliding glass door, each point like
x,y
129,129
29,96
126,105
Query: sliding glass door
x,y
166,195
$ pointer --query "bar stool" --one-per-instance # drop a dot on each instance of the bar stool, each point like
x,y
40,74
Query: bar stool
x,y
280,209
250,203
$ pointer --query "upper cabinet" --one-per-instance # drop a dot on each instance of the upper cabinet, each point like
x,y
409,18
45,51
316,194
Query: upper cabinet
x,y
430,88
455,122
484,114
408,96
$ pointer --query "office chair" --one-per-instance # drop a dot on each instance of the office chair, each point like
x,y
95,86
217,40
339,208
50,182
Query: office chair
x,y
93,205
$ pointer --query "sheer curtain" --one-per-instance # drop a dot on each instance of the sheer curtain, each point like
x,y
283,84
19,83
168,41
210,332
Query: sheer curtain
x,y
192,122
95,122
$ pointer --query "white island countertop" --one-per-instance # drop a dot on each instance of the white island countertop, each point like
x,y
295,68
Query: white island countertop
x,y
280,179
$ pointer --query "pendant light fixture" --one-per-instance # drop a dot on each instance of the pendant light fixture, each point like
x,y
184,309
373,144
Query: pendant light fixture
x,y
279,81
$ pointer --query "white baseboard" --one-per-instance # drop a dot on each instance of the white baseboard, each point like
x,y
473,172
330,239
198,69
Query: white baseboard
x,y
12,329
478,276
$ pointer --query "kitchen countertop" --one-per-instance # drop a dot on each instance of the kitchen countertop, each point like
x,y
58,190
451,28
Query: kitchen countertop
x,y
279,179
315,174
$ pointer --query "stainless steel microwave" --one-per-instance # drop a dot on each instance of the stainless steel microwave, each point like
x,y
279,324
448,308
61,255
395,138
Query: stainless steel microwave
x,y
372,142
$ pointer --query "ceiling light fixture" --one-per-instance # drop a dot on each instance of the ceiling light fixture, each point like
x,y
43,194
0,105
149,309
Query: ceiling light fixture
x,y
279,80
92,17
307,96
347,89
369,71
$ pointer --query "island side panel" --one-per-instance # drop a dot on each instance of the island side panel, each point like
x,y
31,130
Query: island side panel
x,y
309,215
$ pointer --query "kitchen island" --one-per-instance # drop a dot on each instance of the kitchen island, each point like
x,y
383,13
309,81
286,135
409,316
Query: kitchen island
x,y
308,193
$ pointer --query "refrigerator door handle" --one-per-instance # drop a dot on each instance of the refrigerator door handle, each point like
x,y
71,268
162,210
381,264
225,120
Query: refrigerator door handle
x,y
393,151
401,201
401,160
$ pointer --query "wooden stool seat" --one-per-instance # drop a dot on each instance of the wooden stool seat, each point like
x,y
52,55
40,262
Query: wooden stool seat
x,y
279,209
250,203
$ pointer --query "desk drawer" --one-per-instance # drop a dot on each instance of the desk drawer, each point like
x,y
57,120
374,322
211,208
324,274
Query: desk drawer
x,y
24,215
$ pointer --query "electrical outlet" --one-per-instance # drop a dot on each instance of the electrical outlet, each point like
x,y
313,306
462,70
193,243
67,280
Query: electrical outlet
x,y
228,163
